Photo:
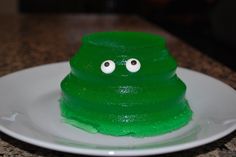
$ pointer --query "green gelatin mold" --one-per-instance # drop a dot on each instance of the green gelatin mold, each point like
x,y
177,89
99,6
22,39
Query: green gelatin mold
x,y
124,84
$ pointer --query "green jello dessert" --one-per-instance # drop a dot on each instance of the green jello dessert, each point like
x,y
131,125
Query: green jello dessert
x,y
124,84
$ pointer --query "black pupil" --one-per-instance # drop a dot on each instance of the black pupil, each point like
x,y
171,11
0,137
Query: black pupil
x,y
106,64
133,62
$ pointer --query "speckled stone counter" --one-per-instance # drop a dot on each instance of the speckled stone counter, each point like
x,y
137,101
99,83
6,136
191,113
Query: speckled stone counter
x,y
31,40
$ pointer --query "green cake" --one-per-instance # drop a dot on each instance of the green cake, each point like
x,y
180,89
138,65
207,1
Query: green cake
x,y
124,84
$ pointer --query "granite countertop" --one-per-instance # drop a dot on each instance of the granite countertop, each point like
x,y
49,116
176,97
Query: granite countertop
x,y
31,40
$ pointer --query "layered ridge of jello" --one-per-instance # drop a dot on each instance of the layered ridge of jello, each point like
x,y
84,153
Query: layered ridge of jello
x,y
146,103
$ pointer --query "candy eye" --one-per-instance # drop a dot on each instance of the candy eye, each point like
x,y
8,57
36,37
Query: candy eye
x,y
108,66
133,65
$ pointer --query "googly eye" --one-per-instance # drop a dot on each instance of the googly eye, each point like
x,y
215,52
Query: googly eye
x,y
133,65
108,66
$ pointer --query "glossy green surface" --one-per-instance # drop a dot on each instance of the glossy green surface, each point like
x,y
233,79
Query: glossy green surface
x,y
145,103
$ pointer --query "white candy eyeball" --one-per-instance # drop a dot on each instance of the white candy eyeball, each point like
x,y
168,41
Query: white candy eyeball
x,y
133,65
108,66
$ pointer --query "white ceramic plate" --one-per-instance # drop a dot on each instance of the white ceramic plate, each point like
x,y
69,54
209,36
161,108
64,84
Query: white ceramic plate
x,y
30,112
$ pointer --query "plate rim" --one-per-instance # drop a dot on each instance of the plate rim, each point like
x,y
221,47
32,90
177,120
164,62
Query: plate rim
x,y
121,152
109,152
